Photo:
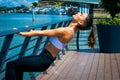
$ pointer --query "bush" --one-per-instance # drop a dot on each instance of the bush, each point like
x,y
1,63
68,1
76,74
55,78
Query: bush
x,y
110,21
111,6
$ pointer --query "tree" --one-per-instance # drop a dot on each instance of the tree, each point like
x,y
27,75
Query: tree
x,y
35,4
4,8
111,6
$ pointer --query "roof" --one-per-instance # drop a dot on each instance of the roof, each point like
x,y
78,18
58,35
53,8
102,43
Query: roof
x,y
84,1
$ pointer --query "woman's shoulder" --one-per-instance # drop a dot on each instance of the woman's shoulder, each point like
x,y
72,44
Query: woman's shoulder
x,y
58,31
61,29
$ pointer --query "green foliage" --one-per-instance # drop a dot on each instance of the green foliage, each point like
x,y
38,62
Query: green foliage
x,y
3,9
35,4
112,6
115,21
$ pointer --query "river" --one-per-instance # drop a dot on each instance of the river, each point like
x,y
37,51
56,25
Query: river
x,y
9,21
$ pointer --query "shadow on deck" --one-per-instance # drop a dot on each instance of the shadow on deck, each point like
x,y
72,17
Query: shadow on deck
x,y
84,66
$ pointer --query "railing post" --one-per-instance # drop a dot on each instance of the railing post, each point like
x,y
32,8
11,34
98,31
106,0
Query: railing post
x,y
77,40
60,24
63,52
24,47
91,10
58,57
37,45
67,23
5,48
32,77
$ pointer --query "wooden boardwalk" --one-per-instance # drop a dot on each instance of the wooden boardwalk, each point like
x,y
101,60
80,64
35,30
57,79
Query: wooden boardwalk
x,y
84,66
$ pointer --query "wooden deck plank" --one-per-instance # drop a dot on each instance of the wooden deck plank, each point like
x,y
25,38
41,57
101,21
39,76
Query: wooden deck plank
x,y
115,73
100,73
93,72
117,55
84,66
108,73
88,66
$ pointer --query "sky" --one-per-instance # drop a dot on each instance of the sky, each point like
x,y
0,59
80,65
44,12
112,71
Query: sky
x,y
14,3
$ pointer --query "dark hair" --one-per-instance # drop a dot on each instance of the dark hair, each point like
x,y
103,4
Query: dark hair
x,y
92,36
88,24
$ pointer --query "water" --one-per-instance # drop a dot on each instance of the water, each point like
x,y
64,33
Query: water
x,y
9,21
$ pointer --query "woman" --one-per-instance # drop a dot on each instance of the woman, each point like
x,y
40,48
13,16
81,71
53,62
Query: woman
x,y
58,40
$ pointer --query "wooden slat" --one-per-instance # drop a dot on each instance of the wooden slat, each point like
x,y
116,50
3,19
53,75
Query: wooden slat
x,y
108,74
117,55
94,68
81,66
115,73
88,66
100,73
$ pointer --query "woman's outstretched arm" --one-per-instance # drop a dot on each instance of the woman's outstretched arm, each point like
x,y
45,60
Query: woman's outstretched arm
x,y
53,32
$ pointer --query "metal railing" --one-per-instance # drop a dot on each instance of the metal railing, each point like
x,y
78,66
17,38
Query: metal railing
x,y
13,46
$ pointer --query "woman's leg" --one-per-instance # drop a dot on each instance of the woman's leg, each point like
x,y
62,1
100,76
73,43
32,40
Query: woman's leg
x,y
15,69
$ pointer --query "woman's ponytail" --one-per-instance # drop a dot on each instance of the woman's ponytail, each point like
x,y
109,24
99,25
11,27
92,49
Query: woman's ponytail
x,y
92,38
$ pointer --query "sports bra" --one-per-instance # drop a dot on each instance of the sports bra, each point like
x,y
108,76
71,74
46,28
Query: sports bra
x,y
56,42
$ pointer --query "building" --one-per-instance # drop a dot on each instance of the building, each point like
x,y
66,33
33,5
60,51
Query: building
x,y
83,5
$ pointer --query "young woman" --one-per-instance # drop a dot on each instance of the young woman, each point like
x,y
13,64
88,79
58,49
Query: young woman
x,y
58,40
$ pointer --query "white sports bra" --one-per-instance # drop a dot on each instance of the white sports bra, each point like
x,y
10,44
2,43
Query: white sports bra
x,y
56,42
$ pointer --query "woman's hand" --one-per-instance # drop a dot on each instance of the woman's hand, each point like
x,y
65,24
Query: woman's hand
x,y
23,33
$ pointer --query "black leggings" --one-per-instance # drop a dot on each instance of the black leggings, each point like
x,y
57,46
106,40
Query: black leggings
x,y
15,68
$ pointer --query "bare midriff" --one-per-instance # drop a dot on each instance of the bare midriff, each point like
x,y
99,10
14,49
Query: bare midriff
x,y
52,49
